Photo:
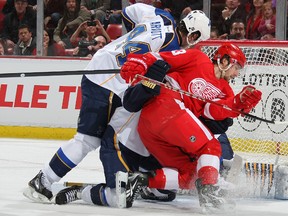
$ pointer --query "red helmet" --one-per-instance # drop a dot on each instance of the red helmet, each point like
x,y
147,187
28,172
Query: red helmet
x,y
234,52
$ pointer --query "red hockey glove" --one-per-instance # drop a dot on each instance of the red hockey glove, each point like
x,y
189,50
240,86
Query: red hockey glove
x,y
247,99
136,64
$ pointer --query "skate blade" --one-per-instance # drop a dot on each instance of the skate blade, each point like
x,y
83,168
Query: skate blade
x,y
223,209
33,195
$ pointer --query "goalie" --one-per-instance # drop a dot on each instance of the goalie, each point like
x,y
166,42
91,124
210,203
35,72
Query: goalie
x,y
169,126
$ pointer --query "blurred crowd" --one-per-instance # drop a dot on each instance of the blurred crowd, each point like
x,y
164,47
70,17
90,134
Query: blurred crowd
x,y
81,27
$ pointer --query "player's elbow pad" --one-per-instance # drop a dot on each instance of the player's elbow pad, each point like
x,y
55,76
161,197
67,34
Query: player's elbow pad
x,y
135,97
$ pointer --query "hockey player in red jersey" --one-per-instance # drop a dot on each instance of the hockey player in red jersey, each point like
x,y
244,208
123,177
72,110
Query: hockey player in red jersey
x,y
169,126
152,29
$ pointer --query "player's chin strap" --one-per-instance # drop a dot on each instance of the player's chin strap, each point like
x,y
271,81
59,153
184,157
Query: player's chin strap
x,y
194,42
180,91
223,70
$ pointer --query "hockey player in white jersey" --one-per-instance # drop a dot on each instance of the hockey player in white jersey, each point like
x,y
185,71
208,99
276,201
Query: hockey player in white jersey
x,y
122,150
153,30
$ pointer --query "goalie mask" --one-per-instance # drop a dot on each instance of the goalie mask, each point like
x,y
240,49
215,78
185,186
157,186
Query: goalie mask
x,y
197,21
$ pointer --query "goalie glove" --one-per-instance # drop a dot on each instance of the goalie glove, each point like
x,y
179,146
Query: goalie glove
x,y
247,99
156,71
136,64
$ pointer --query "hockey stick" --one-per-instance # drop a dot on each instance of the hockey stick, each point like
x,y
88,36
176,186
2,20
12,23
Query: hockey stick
x,y
81,184
207,100
113,71
58,73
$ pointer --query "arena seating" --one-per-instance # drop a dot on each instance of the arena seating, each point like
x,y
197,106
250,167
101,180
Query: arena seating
x,y
114,31
2,3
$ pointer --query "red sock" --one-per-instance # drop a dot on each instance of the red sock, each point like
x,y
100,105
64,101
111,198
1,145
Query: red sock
x,y
158,181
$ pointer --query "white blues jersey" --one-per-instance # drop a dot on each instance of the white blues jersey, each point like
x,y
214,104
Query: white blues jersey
x,y
152,30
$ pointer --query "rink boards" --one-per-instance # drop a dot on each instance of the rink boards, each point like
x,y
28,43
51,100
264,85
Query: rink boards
x,y
48,107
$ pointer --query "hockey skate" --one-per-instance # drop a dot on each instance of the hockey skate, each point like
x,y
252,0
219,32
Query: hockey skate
x,y
68,195
156,194
39,189
211,199
134,182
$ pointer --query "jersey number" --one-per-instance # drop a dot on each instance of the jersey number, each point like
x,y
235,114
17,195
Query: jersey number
x,y
131,46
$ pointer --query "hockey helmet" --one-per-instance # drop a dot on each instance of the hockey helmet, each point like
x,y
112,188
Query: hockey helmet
x,y
234,53
195,21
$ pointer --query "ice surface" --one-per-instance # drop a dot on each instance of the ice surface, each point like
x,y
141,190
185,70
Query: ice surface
x,y
21,159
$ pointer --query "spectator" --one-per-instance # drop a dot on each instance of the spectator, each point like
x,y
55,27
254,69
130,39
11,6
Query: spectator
x,y
100,42
232,11
214,34
253,20
113,16
50,48
26,44
67,25
53,11
89,48
88,29
267,25
97,9
3,47
22,14
9,6
237,30
181,8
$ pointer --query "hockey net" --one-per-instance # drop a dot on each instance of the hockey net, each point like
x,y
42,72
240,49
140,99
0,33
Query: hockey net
x,y
263,146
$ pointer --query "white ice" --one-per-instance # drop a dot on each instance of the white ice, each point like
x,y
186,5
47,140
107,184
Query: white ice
x,y
21,159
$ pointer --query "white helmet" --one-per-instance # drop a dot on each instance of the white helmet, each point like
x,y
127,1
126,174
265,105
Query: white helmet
x,y
195,21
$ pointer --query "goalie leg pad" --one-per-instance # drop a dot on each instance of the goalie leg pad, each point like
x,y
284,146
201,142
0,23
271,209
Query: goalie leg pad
x,y
281,182
235,169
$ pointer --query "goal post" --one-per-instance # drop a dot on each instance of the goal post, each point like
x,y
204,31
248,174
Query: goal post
x,y
263,146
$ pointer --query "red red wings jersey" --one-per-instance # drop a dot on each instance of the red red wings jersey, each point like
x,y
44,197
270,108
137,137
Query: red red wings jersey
x,y
193,71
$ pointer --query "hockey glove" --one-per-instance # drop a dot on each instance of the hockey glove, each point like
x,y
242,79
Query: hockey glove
x,y
136,64
156,71
247,99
